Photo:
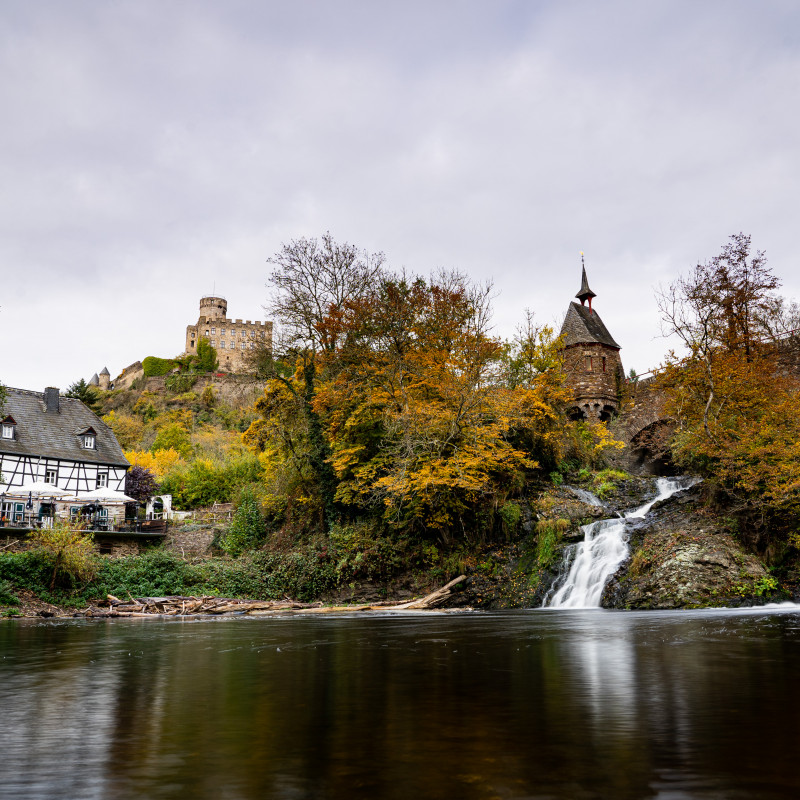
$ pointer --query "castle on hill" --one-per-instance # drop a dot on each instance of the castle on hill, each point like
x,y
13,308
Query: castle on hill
x,y
233,339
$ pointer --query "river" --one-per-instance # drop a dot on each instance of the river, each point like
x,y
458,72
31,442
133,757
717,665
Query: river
x,y
525,704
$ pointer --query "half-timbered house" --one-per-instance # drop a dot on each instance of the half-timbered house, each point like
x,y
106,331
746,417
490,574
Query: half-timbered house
x,y
58,440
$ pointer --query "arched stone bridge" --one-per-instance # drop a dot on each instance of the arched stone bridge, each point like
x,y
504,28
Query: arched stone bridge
x,y
645,427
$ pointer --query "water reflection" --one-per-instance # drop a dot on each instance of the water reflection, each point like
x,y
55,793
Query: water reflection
x,y
531,704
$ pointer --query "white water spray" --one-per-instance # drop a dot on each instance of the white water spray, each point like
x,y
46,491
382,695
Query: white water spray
x,y
588,566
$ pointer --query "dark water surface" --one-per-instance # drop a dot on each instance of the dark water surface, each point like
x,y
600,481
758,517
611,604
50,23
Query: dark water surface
x,y
559,704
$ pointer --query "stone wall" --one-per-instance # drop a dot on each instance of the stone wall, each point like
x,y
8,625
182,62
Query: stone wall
x,y
188,541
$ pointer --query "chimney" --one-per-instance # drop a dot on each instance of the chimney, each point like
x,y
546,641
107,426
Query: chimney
x,y
51,402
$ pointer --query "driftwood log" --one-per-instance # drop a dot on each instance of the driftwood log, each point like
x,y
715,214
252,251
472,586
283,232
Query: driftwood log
x,y
181,606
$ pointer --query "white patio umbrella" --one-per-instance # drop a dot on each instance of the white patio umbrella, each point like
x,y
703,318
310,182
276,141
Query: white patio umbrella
x,y
105,495
37,489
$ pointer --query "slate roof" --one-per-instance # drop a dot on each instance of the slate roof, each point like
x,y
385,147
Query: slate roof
x,y
55,435
584,327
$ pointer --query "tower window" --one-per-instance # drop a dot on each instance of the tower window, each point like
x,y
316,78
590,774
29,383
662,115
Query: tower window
x,y
588,363
604,363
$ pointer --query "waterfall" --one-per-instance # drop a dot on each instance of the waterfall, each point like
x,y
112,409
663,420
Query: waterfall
x,y
588,566
589,498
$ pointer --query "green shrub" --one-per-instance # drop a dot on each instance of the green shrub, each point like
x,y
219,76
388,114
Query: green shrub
x,y
247,527
609,476
7,596
550,532
153,366
511,514
155,573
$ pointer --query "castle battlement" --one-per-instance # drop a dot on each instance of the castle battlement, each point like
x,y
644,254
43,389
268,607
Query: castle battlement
x,y
233,339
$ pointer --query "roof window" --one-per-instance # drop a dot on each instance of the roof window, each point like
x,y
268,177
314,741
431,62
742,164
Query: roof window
x,y
88,439
9,428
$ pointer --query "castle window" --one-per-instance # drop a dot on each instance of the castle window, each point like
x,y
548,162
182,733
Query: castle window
x,y
222,331
191,344
604,363
222,345
213,342
206,332
213,330
251,345
252,334
588,363
242,345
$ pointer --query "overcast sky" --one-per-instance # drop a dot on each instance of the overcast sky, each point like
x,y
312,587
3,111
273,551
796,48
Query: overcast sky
x,y
153,152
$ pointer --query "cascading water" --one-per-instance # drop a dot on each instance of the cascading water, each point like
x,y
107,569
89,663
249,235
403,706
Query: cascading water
x,y
588,566
587,497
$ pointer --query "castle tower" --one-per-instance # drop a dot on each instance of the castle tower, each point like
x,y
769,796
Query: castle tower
x,y
104,379
213,307
591,359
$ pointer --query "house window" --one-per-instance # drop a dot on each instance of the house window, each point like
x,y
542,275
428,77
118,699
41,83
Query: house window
x,y
102,480
88,441
50,476
8,431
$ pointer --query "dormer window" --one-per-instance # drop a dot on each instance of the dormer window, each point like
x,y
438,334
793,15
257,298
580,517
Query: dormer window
x,y
9,428
88,439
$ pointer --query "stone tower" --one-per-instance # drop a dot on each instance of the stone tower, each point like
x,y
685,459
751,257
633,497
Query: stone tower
x,y
213,307
591,359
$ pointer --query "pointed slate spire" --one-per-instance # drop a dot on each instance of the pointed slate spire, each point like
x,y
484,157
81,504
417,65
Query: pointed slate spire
x,y
585,292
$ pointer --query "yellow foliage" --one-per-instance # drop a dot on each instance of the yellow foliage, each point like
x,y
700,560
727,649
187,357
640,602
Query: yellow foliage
x,y
159,463
127,429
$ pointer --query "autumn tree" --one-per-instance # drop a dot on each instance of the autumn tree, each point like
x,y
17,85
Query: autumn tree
x,y
738,413
421,426
312,282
